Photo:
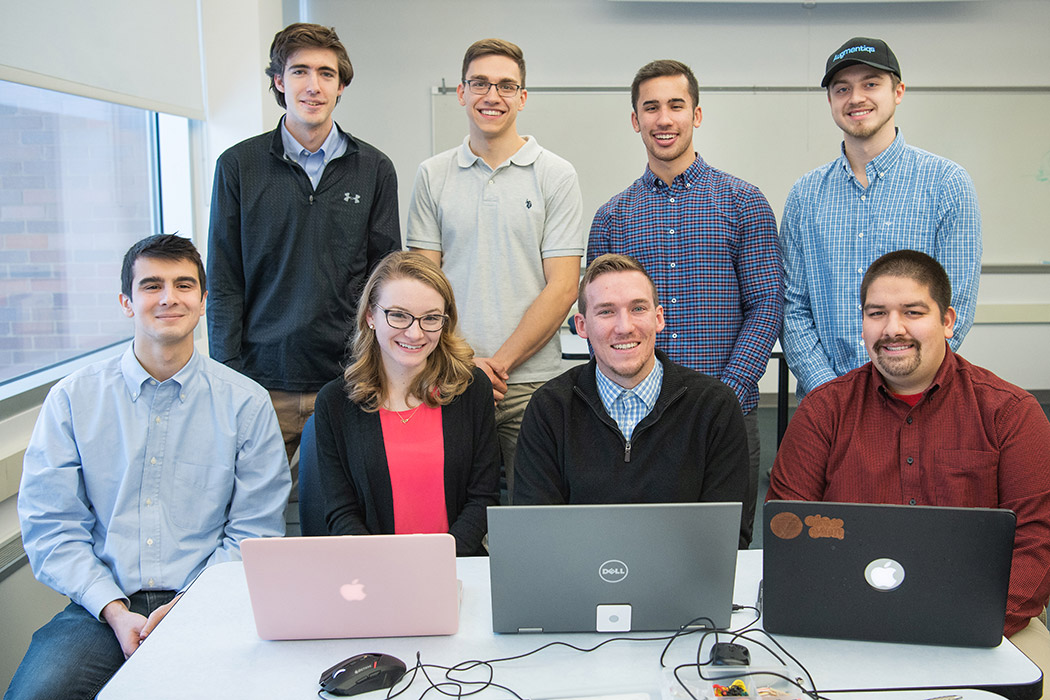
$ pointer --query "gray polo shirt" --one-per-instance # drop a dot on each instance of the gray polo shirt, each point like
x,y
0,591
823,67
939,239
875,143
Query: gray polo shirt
x,y
495,227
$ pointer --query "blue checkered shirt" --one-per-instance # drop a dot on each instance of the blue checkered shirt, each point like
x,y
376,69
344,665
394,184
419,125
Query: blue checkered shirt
x,y
709,241
833,229
629,406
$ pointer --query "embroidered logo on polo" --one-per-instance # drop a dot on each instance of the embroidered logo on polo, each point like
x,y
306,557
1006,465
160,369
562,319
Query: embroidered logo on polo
x,y
528,204
356,197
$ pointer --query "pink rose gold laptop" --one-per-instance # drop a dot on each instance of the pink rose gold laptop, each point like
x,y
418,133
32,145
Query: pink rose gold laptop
x,y
352,586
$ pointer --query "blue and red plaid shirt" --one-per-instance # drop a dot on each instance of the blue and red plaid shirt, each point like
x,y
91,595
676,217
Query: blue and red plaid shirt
x,y
709,241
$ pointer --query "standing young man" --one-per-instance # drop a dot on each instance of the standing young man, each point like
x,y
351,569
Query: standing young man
x,y
879,195
708,239
142,471
501,215
299,217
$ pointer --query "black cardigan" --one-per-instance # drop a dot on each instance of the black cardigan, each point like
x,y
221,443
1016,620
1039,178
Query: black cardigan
x,y
355,478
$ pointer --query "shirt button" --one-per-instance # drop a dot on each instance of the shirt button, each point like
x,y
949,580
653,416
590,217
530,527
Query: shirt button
x,y
152,460
862,197
671,231
674,335
150,541
860,271
909,420
673,300
150,582
182,396
859,307
492,182
860,235
911,502
153,382
911,460
671,200
149,501
672,264
157,419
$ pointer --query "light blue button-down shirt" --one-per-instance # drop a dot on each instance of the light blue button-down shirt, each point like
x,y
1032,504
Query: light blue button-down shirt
x,y
132,484
334,145
833,229
629,406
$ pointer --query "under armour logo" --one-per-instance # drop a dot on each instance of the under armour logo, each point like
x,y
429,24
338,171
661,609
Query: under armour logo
x,y
528,204
356,197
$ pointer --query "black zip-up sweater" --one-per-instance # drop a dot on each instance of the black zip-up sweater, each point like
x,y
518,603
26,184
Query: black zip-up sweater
x,y
286,262
691,447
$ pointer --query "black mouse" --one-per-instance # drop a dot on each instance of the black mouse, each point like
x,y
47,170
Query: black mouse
x,y
362,673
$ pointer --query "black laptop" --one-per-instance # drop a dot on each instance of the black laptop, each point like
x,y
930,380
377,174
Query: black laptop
x,y
888,573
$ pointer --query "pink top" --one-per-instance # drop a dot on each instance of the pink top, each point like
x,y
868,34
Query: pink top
x,y
415,455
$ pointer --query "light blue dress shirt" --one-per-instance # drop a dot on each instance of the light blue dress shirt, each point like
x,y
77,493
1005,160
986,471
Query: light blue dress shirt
x,y
629,406
833,229
334,145
131,484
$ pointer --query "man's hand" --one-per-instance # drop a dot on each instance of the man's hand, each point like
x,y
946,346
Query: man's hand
x,y
497,374
126,625
155,617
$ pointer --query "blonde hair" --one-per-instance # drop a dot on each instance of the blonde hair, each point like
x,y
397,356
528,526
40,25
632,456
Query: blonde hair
x,y
448,369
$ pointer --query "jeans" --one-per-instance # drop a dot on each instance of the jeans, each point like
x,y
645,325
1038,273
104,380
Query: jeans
x,y
74,655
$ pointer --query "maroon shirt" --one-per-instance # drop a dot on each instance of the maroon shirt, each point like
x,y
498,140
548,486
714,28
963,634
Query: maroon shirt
x,y
972,440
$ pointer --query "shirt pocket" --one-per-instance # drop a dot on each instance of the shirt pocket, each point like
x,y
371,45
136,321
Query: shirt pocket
x,y
967,478
200,495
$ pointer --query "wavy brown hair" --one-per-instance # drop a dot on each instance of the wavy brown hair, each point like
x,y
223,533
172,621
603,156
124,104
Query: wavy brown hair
x,y
448,369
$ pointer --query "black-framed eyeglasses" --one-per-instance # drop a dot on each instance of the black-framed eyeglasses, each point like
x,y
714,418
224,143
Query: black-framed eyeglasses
x,y
400,320
481,87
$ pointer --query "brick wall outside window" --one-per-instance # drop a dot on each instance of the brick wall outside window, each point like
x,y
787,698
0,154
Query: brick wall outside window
x,y
76,190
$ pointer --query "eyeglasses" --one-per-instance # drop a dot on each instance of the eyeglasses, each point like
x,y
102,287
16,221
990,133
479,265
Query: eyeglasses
x,y
481,87
401,320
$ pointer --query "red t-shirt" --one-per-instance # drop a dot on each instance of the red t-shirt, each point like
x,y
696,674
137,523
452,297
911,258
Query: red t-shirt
x,y
415,455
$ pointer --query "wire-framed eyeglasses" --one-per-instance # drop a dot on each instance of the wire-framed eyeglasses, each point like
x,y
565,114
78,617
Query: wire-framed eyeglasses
x,y
400,320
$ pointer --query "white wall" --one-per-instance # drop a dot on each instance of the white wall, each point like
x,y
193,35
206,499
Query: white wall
x,y
401,48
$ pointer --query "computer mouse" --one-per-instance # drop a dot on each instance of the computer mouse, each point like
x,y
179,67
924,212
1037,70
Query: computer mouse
x,y
362,673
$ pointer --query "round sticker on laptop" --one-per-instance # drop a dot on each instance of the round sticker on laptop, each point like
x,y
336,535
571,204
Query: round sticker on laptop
x,y
884,574
786,526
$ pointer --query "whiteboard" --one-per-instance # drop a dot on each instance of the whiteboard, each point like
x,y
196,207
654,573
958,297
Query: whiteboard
x,y
771,136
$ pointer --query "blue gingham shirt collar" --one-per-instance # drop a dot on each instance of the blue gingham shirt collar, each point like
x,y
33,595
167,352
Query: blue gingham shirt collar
x,y
618,401
880,164
689,177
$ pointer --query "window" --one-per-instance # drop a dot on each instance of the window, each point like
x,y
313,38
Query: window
x,y
79,183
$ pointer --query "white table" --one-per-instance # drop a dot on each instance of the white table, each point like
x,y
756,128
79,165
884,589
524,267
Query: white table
x,y
207,647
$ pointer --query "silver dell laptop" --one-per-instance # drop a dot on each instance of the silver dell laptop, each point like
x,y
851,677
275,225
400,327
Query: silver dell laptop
x,y
612,568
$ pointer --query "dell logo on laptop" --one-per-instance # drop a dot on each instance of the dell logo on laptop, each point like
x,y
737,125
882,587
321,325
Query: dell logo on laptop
x,y
613,571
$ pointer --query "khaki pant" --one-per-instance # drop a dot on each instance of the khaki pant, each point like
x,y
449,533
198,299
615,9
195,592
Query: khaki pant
x,y
1034,641
509,413
292,408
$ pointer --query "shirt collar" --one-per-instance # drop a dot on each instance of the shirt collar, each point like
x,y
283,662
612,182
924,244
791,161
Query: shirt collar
x,y
135,375
292,148
880,163
648,390
524,156
690,177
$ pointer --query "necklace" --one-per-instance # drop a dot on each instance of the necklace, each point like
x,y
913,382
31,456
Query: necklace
x,y
410,415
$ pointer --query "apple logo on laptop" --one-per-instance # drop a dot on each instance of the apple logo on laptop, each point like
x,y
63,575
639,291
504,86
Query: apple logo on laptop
x,y
353,591
884,574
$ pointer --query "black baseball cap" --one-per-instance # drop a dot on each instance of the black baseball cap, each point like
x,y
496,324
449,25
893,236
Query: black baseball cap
x,y
859,49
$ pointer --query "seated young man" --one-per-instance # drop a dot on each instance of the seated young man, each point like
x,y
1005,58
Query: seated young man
x,y
630,426
142,470
920,425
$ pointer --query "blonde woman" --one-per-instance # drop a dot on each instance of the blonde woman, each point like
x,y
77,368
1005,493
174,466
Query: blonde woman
x,y
406,437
